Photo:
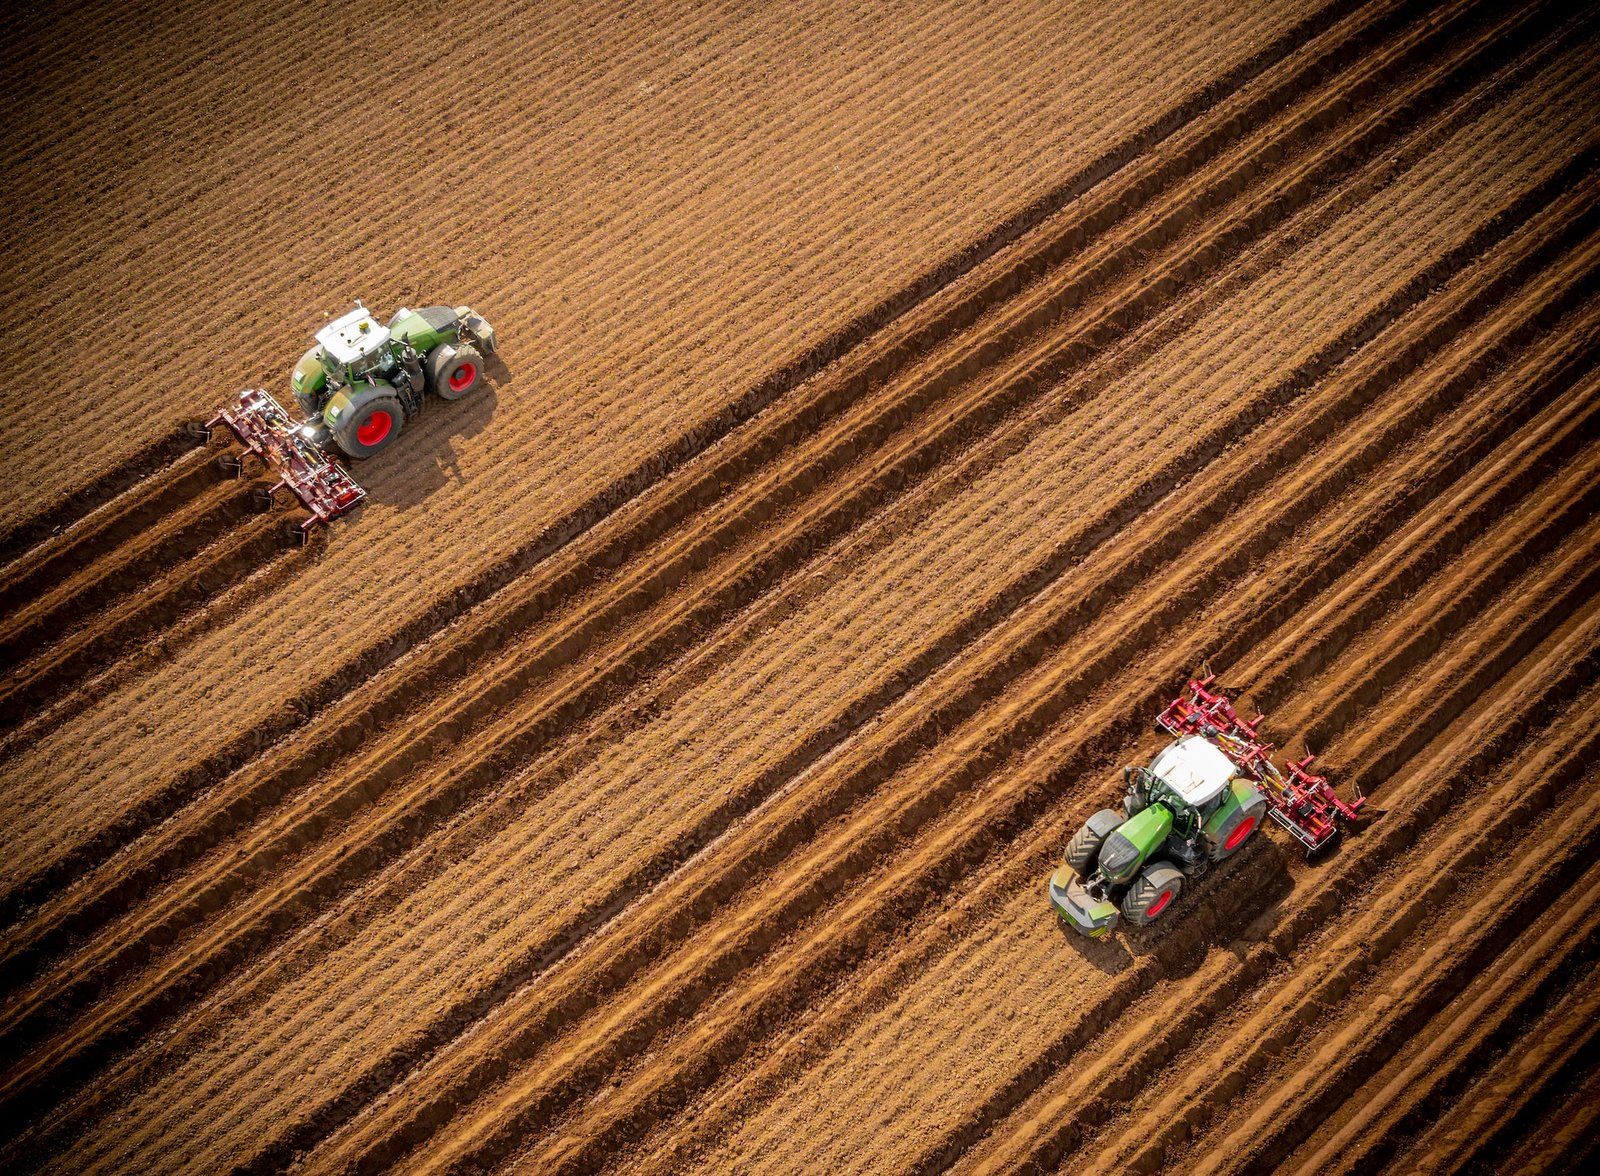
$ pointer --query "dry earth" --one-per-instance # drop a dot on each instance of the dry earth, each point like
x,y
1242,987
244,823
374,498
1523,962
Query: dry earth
x,y
660,772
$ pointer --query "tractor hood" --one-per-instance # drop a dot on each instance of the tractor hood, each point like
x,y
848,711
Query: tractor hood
x,y
1134,840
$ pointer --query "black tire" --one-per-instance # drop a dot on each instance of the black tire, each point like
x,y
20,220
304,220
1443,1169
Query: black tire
x,y
1083,851
372,427
454,372
1152,893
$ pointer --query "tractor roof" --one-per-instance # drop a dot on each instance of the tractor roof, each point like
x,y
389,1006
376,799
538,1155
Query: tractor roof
x,y
1196,768
352,336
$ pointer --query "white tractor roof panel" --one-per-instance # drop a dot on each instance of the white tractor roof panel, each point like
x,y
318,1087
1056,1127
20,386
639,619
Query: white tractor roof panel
x,y
1195,767
352,336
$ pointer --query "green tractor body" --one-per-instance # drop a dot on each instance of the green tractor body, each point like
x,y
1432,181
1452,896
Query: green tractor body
x,y
364,379
1191,807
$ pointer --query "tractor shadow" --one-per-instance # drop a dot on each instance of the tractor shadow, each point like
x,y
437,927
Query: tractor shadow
x,y
1234,906
424,459
1109,955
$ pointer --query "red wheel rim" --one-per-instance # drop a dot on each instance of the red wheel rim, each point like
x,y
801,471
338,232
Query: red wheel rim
x,y
1158,905
1240,832
375,428
463,376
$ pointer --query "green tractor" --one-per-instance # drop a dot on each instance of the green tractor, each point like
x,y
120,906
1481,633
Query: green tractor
x,y
1188,809
356,388
364,379
1197,803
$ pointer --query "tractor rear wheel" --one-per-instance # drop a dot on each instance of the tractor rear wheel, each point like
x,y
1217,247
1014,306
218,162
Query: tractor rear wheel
x,y
372,426
453,372
1152,893
1227,840
1083,851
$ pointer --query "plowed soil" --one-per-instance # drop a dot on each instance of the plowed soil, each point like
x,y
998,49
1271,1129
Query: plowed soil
x,y
894,405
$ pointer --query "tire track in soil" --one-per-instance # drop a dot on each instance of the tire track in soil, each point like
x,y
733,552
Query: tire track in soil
x,y
1568,1139
1341,955
1566,676
770,390
608,1133
1494,1013
1548,447
583,566
676,904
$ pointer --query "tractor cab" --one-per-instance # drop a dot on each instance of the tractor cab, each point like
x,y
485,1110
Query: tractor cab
x,y
353,345
1196,769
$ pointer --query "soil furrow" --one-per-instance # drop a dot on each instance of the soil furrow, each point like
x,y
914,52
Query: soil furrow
x,y
1504,1104
168,461
583,565
1562,1053
1569,1141
1496,1008
122,570
767,1015
860,844
185,586
103,537
1563,673
680,904
624,670
131,664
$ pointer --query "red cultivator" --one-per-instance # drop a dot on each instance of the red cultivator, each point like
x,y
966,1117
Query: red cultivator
x,y
1302,803
302,467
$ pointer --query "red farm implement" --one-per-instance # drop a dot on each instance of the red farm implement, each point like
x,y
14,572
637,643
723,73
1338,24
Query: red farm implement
x,y
301,465
1304,804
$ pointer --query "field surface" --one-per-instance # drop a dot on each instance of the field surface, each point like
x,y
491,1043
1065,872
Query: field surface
x,y
894,405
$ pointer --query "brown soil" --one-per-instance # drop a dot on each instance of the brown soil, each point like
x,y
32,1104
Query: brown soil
x,y
661,771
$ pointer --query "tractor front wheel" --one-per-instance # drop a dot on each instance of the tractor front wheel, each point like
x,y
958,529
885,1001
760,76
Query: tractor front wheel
x,y
372,426
453,372
1083,851
1152,893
